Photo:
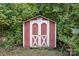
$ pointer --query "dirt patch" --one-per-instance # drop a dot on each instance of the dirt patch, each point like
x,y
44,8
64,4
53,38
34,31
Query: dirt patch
x,y
20,51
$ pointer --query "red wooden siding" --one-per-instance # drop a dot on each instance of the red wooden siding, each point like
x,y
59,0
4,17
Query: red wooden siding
x,y
52,34
27,34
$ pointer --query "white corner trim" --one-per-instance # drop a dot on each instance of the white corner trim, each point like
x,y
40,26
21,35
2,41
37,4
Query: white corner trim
x,y
48,39
24,35
55,34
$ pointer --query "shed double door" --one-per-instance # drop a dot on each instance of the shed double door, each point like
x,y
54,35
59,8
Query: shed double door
x,y
39,33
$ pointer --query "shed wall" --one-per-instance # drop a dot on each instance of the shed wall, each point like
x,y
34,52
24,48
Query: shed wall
x,y
52,34
27,34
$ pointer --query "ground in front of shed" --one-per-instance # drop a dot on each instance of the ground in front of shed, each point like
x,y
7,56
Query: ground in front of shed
x,y
20,51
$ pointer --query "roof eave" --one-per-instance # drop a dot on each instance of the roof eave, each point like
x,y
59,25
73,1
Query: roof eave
x,y
37,17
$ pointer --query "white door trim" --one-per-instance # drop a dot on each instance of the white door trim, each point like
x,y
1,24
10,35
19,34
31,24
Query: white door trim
x,y
30,33
39,22
48,33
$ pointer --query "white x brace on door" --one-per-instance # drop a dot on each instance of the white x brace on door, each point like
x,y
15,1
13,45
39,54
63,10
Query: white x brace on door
x,y
39,33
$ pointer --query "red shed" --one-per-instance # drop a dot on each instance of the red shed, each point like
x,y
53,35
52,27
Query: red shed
x,y
39,32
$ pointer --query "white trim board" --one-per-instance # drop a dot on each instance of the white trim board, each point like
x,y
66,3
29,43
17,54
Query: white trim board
x,y
23,35
55,34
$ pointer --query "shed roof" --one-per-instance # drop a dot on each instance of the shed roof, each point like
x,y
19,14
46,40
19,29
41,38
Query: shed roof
x,y
39,16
